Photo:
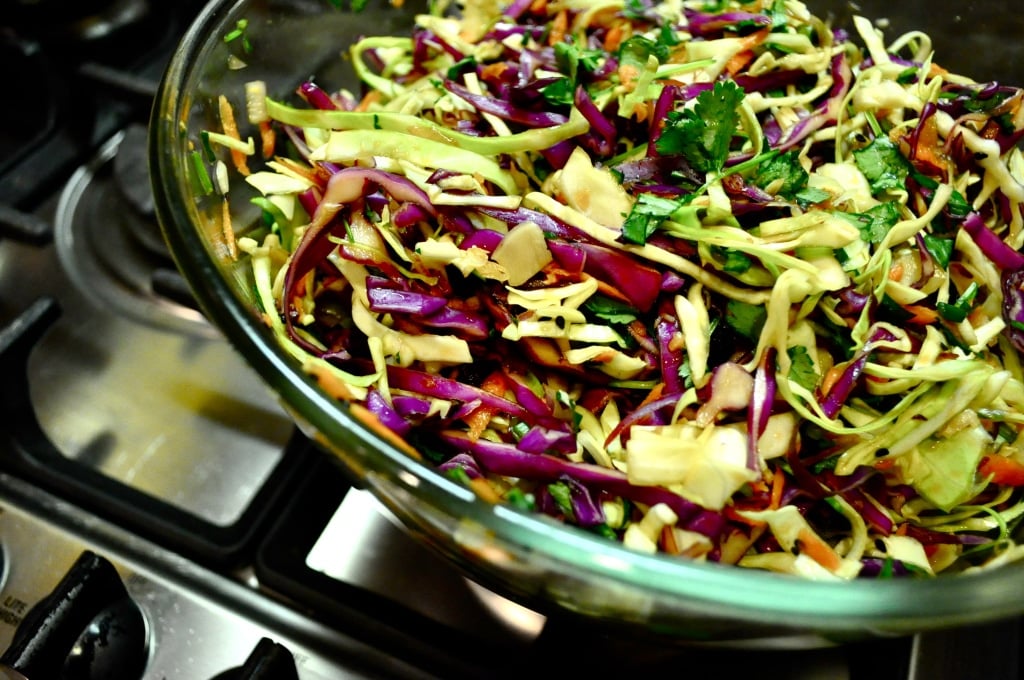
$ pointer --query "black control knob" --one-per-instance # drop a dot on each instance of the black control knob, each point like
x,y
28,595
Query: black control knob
x,y
269,660
88,628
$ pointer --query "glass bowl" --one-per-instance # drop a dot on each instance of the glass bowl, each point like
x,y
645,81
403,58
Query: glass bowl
x,y
540,563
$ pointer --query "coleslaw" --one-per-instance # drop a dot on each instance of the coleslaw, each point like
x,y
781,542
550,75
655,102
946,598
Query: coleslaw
x,y
713,279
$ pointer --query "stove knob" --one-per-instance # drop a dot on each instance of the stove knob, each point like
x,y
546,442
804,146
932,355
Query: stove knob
x,y
88,628
268,661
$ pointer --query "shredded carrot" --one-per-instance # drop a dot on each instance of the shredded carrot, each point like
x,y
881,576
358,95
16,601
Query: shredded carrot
x,y
614,37
733,515
746,53
628,75
228,230
268,139
227,121
654,394
668,540
922,316
484,490
818,550
832,376
481,417
494,71
332,384
559,26
778,484
371,97
896,272
300,170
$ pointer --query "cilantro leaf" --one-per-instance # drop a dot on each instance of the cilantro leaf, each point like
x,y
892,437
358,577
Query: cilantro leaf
x,y
636,50
733,261
959,310
875,223
940,248
609,310
559,92
883,164
785,167
702,134
810,196
646,215
801,369
746,319
571,58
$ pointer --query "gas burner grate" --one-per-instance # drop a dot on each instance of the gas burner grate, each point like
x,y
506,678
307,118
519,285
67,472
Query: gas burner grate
x,y
26,451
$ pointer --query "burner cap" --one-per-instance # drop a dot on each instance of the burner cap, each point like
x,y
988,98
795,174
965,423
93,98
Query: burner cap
x,y
109,242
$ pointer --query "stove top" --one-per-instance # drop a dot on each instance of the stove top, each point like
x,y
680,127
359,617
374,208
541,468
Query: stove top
x,y
160,515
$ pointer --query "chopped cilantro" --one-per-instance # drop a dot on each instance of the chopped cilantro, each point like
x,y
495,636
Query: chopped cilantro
x,y
733,261
746,319
778,14
636,50
940,248
571,58
785,167
802,370
891,311
883,164
825,465
562,496
518,498
811,196
646,215
634,9
686,373
907,76
876,222
560,92
609,310
959,310
703,134
238,33
460,67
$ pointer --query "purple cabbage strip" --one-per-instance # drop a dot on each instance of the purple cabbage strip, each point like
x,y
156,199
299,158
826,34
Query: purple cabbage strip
x,y
487,239
388,300
1013,306
568,256
995,248
464,462
431,385
760,406
542,440
472,326
505,110
638,282
507,460
407,405
705,24
649,413
526,397
316,97
839,393
671,360
390,418
604,130
585,509
826,113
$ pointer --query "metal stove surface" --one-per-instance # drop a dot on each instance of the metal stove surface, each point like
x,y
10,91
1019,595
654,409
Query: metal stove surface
x,y
132,436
